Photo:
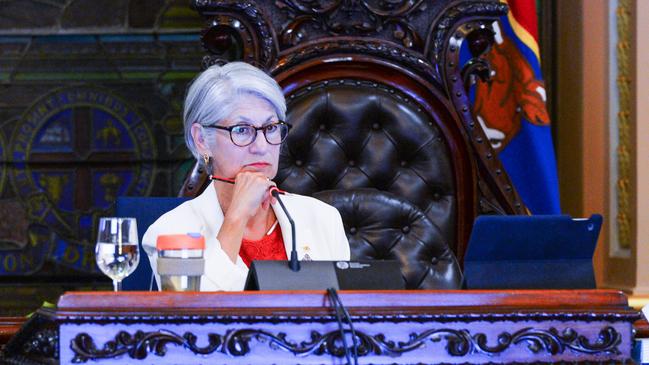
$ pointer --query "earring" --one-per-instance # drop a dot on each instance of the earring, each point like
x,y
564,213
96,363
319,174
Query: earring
x,y
206,162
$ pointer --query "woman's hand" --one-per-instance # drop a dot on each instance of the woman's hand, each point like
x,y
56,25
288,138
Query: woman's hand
x,y
249,193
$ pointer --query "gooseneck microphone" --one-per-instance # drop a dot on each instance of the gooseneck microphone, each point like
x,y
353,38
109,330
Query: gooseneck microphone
x,y
293,262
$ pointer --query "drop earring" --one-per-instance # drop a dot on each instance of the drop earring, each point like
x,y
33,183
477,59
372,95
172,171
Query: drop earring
x,y
206,162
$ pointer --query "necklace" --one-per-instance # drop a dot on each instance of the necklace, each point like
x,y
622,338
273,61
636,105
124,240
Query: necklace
x,y
271,221
272,228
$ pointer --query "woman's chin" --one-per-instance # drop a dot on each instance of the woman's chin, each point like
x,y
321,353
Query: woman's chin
x,y
265,169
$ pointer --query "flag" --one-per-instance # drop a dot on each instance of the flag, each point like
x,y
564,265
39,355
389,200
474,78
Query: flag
x,y
511,109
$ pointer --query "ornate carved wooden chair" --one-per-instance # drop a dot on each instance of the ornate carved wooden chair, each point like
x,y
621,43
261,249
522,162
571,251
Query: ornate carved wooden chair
x,y
377,97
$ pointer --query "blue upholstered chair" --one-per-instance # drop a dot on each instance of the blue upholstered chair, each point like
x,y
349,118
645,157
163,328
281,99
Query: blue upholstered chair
x,y
146,210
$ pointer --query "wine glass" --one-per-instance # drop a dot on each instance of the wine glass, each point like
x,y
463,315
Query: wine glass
x,y
117,251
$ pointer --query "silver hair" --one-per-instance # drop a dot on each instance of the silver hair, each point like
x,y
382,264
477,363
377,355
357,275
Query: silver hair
x,y
213,94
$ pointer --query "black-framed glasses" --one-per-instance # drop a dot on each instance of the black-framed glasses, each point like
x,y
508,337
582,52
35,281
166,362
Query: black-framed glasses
x,y
245,134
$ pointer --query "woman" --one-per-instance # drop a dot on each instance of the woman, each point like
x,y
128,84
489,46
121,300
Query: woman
x,y
234,125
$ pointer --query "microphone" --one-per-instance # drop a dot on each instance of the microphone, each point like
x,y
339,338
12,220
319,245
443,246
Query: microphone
x,y
293,262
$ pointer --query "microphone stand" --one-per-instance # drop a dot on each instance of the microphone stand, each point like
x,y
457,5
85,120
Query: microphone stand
x,y
293,262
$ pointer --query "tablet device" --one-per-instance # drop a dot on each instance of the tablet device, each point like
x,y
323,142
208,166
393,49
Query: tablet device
x,y
532,252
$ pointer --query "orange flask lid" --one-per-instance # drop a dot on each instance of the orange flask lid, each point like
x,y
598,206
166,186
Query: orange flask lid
x,y
189,241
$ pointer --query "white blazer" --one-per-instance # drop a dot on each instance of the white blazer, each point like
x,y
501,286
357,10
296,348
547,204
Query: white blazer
x,y
319,234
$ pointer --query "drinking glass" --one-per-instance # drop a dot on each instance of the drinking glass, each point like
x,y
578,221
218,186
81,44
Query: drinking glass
x,y
117,251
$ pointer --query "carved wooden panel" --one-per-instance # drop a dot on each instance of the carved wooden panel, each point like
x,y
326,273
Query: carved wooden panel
x,y
401,327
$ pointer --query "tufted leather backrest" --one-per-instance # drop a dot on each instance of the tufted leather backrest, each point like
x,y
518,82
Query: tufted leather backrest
x,y
382,226
351,134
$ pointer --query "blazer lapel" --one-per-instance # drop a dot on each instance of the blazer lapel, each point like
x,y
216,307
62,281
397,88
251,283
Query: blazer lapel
x,y
207,206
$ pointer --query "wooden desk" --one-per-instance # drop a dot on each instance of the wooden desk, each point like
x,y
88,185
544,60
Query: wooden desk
x,y
299,327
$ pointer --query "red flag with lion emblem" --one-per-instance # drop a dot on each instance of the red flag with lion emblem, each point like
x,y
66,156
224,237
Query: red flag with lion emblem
x,y
511,109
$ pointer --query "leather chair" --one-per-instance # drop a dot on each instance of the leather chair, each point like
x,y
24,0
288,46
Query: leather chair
x,y
378,100
382,226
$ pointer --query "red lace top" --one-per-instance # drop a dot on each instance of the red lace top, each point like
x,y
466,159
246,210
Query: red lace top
x,y
269,247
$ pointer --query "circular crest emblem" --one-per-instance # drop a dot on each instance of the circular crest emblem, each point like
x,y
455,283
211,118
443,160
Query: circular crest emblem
x,y
75,151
